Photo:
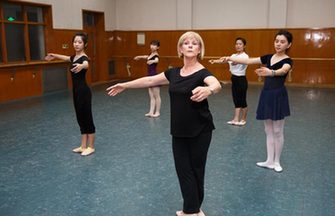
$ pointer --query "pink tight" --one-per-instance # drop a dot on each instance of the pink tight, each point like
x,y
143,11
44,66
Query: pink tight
x,y
274,140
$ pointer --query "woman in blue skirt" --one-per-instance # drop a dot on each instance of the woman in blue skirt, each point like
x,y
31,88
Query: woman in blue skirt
x,y
273,104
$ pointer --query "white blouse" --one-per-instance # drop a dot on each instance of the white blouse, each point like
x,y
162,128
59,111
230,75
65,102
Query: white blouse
x,y
238,69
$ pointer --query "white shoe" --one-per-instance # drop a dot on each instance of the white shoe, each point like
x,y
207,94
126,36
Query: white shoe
x,y
232,123
88,151
278,168
78,150
265,165
241,123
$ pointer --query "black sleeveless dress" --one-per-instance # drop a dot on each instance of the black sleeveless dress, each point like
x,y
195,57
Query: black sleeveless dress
x,y
82,98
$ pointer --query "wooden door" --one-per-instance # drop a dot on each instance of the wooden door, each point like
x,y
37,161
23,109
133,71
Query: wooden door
x,y
93,27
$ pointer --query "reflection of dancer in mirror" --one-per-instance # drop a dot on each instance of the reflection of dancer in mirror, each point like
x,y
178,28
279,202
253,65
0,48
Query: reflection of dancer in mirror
x,y
239,83
273,104
82,96
154,92
191,120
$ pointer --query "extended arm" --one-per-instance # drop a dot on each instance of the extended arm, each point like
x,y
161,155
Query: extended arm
x,y
246,61
216,61
143,82
140,57
52,56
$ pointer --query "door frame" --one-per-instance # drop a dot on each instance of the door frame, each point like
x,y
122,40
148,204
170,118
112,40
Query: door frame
x,y
97,54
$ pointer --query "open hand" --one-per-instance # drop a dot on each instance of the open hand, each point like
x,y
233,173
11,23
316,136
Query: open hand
x,y
49,57
115,89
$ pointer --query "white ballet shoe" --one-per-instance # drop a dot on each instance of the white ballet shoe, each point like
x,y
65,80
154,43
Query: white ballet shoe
x,y
155,115
232,122
88,151
265,165
278,168
241,123
78,149
148,114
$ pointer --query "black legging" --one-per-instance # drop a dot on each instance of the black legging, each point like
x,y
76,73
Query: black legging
x,y
239,90
190,156
82,98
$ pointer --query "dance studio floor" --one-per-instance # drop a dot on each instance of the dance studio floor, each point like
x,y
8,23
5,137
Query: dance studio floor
x,y
132,171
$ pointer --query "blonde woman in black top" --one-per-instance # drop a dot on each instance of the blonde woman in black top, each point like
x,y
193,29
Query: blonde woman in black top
x,y
191,120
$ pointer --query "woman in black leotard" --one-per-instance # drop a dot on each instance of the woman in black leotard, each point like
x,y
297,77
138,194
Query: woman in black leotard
x,y
154,91
82,96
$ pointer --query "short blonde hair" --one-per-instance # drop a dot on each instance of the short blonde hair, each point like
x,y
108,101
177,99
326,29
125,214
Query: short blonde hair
x,y
197,37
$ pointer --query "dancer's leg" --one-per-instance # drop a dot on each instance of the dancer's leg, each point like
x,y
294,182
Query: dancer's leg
x,y
83,144
157,101
152,103
90,141
278,128
244,114
269,163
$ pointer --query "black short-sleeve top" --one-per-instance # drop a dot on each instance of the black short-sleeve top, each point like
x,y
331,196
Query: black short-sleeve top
x,y
275,81
188,118
78,79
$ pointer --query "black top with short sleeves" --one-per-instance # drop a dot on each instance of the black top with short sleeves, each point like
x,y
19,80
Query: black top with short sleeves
x,y
274,82
188,118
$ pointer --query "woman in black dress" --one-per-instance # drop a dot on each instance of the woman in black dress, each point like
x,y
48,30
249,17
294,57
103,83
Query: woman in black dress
x,y
273,105
82,96
191,120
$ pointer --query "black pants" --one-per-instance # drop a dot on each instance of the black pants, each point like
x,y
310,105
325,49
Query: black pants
x,y
239,90
82,99
190,156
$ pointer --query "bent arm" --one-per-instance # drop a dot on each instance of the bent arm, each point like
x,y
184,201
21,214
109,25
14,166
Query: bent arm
x,y
85,65
200,93
283,70
213,84
78,67
264,71
156,60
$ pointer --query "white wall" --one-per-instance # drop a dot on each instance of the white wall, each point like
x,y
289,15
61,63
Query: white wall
x,y
184,14
67,14
195,14
223,14
311,13
277,14
146,14
228,14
